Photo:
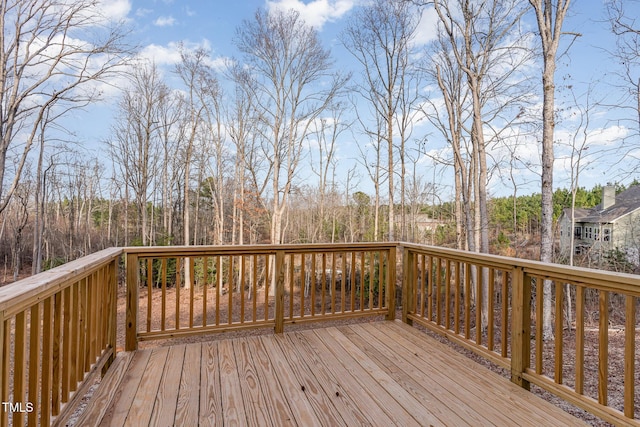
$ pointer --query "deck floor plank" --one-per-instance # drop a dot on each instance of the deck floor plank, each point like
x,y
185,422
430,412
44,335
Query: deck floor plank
x,y
378,395
468,394
375,413
380,373
276,401
415,408
140,412
122,400
420,385
505,397
106,392
330,382
300,405
166,401
318,388
210,388
232,404
255,404
188,404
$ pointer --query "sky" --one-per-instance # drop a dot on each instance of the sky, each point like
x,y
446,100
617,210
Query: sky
x,y
159,26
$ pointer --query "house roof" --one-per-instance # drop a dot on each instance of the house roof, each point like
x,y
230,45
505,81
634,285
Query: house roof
x,y
626,202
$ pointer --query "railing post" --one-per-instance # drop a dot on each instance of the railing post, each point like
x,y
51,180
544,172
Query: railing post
x,y
279,314
112,310
131,325
391,285
408,285
521,326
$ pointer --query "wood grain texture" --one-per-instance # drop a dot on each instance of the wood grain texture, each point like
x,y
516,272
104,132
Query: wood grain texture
x,y
378,373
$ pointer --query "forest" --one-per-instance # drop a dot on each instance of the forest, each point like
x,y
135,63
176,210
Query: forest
x,y
253,152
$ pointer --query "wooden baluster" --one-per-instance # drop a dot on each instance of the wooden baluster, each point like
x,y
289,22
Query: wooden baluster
x,y
391,284
163,303
408,279
291,279
343,282
504,338
34,366
218,287
58,352
254,288
230,290
333,282
539,321
479,283
131,323
192,289
457,283
362,269
205,289
279,291
47,362
559,326
579,362
181,263
303,283
603,348
629,355
521,321
490,308
467,300
149,291
241,286
267,261
20,365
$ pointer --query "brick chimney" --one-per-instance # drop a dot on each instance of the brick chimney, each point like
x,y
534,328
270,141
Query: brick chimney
x,y
608,196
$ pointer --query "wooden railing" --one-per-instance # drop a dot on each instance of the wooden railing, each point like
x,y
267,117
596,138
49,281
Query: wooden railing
x,y
494,306
179,291
58,330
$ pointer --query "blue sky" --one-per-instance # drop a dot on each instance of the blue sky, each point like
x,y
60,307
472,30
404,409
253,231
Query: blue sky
x,y
160,25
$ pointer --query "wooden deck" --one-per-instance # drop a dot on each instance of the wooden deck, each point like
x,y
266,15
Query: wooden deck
x,y
381,373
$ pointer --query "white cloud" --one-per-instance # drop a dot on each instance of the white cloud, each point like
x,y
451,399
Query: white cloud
x,y
169,54
427,28
317,12
161,55
141,12
165,21
115,10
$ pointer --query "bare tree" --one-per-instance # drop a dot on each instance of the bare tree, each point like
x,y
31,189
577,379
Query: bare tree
x,y
373,147
627,53
135,147
325,133
292,86
45,64
243,129
482,43
380,37
550,17
450,122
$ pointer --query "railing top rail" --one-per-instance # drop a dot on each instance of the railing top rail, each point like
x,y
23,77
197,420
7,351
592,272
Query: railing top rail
x,y
41,285
169,251
607,280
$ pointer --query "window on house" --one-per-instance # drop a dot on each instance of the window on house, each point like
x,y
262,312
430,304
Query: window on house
x,y
578,232
606,234
596,234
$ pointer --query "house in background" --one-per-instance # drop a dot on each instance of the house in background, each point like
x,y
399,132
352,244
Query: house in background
x,y
613,224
